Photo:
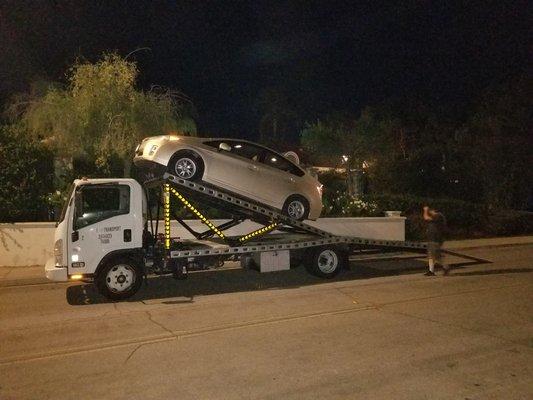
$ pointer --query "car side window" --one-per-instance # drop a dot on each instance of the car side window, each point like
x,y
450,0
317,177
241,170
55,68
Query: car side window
x,y
276,161
246,150
242,149
213,143
95,203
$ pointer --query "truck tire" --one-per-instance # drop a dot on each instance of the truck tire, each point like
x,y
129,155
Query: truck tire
x,y
119,278
326,262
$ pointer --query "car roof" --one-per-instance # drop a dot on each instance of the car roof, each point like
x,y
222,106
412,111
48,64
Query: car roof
x,y
199,139
205,139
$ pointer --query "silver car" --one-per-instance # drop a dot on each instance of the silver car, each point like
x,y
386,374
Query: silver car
x,y
242,167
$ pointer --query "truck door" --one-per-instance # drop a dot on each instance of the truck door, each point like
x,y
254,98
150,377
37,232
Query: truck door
x,y
101,223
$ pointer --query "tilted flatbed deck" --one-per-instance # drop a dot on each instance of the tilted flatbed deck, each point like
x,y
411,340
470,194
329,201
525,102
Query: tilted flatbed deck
x,y
301,235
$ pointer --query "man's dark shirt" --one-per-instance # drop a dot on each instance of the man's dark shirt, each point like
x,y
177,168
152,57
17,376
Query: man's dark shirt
x,y
436,228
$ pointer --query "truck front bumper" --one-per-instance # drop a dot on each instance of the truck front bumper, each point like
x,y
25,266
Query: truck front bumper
x,y
54,273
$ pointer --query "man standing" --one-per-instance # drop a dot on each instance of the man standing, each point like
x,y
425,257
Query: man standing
x,y
436,226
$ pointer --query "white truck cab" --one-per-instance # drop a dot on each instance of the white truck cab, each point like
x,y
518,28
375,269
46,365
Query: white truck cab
x,y
101,226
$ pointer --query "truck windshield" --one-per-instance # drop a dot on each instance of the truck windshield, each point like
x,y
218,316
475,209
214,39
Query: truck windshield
x,y
65,204
95,203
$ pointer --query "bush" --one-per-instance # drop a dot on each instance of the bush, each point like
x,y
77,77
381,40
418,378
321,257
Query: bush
x,y
26,178
510,222
465,219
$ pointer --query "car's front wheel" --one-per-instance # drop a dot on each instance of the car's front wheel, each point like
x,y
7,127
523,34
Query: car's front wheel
x,y
186,165
296,207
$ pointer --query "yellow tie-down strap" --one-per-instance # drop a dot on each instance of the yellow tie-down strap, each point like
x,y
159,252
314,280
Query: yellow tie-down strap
x,y
259,232
166,213
197,213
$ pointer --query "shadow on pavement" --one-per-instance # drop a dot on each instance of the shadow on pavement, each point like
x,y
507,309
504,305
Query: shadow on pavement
x,y
494,272
245,280
231,281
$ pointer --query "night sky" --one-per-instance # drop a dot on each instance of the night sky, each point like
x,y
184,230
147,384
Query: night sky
x,y
318,56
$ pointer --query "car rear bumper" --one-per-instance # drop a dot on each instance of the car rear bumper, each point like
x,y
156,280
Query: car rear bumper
x,y
53,273
315,209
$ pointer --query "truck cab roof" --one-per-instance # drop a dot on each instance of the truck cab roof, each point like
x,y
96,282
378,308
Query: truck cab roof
x,y
93,181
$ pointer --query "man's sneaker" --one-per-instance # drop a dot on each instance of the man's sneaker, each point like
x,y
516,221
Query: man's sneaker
x,y
429,273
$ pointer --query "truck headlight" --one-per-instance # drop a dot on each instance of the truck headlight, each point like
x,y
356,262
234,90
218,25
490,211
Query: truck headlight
x,y
58,252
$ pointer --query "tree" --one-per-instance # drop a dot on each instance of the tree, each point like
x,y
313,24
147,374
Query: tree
x,y
101,114
26,178
498,139
278,118
353,143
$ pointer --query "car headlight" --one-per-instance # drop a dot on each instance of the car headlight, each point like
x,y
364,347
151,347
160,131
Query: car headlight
x,y
319,189
58,252
152,150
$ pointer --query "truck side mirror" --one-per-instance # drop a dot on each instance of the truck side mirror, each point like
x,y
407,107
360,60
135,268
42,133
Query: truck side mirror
x,y
78,208
77,204
224,146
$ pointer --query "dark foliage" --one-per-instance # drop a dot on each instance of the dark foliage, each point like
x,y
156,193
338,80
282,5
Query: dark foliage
x,y
26,178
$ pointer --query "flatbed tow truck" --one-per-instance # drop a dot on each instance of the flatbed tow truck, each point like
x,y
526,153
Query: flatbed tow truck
x,y
107,235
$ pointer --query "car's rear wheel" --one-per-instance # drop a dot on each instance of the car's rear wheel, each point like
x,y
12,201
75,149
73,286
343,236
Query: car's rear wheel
x,y
296,207
186,165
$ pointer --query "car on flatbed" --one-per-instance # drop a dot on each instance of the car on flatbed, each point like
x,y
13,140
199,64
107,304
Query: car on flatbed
x,y
245,168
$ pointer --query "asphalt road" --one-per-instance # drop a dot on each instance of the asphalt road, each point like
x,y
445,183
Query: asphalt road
x,y
378,332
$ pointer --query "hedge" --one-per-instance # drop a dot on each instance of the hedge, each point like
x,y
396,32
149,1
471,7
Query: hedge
x,y
465,219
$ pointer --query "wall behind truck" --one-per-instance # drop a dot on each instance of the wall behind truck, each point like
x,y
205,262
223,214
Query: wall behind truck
x,y
31,243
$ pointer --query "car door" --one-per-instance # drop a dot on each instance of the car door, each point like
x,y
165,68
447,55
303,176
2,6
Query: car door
x,y
101,223
237,169
280,177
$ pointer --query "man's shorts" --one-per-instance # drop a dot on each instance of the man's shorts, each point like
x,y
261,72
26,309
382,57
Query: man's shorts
x,y
434,250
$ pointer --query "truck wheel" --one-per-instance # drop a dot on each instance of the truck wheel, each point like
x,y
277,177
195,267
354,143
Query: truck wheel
x,y
119,278
326,262
186,165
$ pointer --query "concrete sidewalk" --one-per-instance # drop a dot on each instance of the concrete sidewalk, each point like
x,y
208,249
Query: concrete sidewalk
x,y
11,276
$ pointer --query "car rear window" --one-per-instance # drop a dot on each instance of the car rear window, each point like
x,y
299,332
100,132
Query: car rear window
x,y
276,161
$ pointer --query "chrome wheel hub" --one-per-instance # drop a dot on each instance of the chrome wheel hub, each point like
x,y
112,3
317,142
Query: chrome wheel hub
x,y
120,278
296,209
327,261
185,168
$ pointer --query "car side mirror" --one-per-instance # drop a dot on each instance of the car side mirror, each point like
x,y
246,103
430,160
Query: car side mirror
x,y
224,146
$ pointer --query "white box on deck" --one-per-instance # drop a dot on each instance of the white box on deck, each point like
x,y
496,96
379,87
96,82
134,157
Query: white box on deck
x,y
269,261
